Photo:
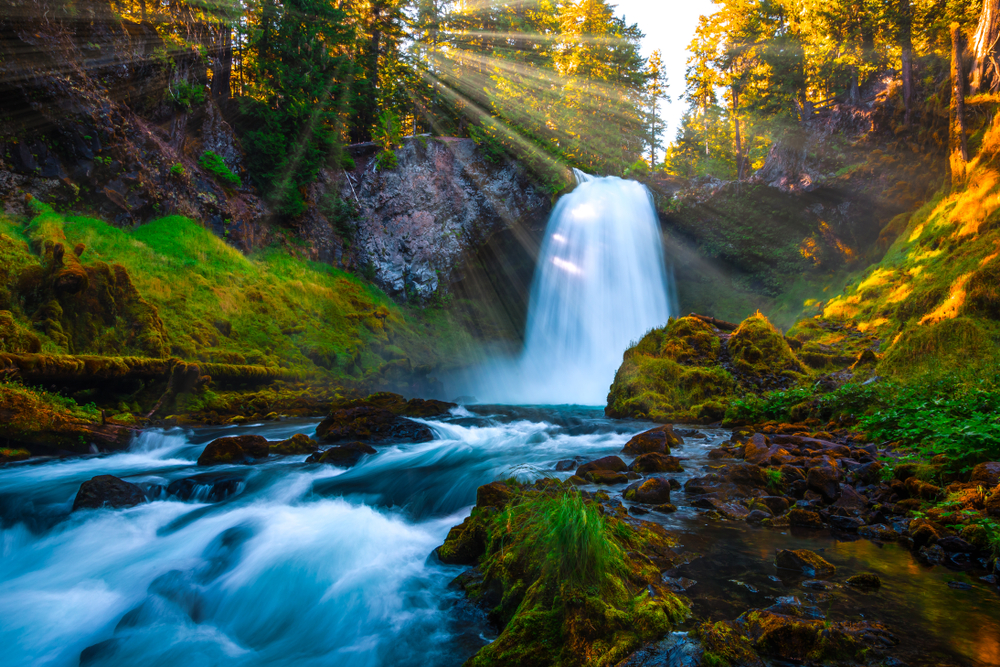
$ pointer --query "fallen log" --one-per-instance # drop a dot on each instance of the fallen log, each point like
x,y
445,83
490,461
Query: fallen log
x,y
718,324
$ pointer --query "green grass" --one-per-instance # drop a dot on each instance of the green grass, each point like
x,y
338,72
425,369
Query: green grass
x,y
218,305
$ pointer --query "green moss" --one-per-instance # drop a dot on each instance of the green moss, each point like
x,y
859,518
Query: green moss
x,y
758,349
574,592
214,165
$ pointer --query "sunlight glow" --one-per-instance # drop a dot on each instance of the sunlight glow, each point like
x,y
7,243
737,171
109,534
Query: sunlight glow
x,y
568,267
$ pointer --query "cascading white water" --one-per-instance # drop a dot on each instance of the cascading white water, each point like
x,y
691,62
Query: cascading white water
x,y
600,283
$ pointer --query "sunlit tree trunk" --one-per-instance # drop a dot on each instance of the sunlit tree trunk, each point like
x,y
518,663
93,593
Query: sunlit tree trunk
x,y
959,151
739,141
985,52
906,61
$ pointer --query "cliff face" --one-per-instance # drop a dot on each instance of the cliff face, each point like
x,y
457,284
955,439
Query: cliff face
x,y
94,119
420,221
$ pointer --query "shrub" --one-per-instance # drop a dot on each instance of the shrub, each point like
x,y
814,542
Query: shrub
x,y
185,96
388,134
214,165
177,170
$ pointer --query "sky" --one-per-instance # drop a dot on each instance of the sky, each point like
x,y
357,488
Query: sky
x,y
669,26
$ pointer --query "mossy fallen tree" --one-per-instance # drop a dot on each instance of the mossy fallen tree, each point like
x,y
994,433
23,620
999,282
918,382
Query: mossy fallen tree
x,y
567,582
95,370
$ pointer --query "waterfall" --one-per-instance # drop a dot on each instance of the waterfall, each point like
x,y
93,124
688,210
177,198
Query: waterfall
x,y
600,284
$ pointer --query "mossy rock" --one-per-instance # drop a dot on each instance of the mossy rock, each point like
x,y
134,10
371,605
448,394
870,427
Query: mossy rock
x,y
804,561
14,337
758,349
343,456
300,443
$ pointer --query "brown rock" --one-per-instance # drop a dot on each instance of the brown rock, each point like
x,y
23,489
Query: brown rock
x,y
805,561
659,440
612,463
776,504
721,453
987,474
343,456
653,491
494,494
804,519
865,581
993,503
824,481
920,489
299,443
606,477
850,499
371,424
235,449
878,531
107,491
656,462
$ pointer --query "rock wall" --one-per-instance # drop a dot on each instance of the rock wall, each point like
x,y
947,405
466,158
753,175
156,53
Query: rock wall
x,y
419,221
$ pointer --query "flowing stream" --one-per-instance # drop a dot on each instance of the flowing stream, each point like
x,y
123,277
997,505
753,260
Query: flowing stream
x,y
288,563
600,284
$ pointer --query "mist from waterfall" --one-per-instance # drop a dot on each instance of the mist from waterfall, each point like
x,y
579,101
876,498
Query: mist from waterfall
x,y
600,284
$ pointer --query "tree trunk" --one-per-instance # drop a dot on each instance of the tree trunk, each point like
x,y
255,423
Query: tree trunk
x,y
959,150
222,70
985,54
906,61
739,141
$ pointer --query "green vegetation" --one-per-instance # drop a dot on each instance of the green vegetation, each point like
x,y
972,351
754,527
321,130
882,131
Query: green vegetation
x,y
185,95
575,589
214,165
388,136
177,170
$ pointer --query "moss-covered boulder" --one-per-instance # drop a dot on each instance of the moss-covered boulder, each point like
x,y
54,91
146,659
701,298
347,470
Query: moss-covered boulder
x,y
691,370
567,584
655,462
300,443
343,456
371,424
659,440
804,561
234,449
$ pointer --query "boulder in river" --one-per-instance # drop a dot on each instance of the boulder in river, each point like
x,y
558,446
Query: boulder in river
x,y
235,449
804,518
343,456
611,463
824,481
653,491
993,503
656,462
659,440
107,491
865,581
371,424
804,561
300,443
211,486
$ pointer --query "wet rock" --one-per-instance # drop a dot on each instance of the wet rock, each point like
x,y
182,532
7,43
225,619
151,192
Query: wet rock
x,y
865,581
211,487
728,510
744,474
824,481
677,584
675,485
756,516
494,494
371,424
677,650
960,585
846,523
804,519
850,499
869,473
606,477
653,491
993,503
343,456
776,504
987,474
107,491
920,489
611,463
235,449
658,440
803,560
665,508
819,585
933,554
565,465
954,544
656,462
922,532
465,543
721,453
789,605
299,443
879,532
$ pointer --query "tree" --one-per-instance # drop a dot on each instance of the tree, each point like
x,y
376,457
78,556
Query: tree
x,y
656,90
986,50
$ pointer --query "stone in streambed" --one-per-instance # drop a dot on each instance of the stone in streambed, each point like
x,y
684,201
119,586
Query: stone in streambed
x,y
606,477
653,491
611,463
993,503
804,519
494,494
804,561
371,424
343,456
107,491
824,481
300,443
235,449
656,462
865,581
658,440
